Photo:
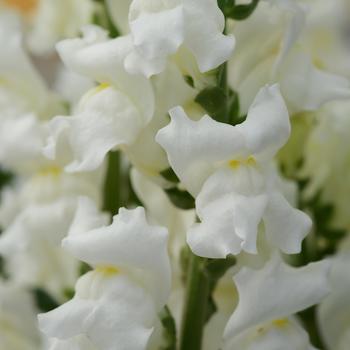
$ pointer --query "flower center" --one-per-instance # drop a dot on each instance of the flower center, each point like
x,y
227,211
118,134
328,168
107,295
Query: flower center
x,y
235,163
26,7
280,323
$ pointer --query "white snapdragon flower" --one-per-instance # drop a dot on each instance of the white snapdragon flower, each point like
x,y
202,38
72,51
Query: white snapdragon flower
x,y
18,329
48,21
116,304
333,312
267,300
159,28
25,102
273,45
228,169
109,116
326,160
35,215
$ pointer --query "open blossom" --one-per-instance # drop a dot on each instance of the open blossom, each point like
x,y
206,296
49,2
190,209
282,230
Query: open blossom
x,y
25,102
159,28
35,215
326,160
116,304
333,312
111,115
229,170
49,21
262,318
289,42
18,319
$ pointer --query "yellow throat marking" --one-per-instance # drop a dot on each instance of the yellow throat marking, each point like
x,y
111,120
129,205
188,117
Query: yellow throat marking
x,y
235,163
108,270
280,322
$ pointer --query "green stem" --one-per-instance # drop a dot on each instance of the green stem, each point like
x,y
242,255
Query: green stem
x,y
112,195
195,310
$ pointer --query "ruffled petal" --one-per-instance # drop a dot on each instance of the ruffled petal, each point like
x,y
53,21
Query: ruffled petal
x,y
128,242
102,59
267,127
204,34
196,148
306,87
275,292
285,226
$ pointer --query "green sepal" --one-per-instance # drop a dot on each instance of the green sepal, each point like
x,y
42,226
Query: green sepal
x,y
237,12
169,175
181,199
169,329
43,300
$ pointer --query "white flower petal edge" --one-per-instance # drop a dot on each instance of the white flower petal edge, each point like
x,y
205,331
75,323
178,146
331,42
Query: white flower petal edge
x,y
102,59
109,116
116,304
230,172
128,242
276,291
206,144
159,28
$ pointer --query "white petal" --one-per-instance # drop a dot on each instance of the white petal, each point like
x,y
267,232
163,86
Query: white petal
x,y
229,218
275,292
193,148
114,312
307,87
108,119
333,312
285,226
128,242
267,127
87,217
272,336
103,60
157,33
204,33
67,320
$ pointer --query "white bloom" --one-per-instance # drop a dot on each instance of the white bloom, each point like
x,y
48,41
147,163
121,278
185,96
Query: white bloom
x,y
160,28
267,299
109,116
326,160
18,329
229,171
273,46
48,21
116,304
333,312
35,216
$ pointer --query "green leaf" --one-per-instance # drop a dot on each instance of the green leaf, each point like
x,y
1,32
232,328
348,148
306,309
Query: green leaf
x,y
170,175
44,301
102,18
214,100
216,268
169,329
237,12
181,199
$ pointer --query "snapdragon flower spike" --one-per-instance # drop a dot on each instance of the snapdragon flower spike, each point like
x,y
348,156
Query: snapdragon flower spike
x,y
109,116
229,170
159,28
116,304
268,297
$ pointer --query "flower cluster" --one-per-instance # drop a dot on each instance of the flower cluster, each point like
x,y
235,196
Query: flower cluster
x,y
173,175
